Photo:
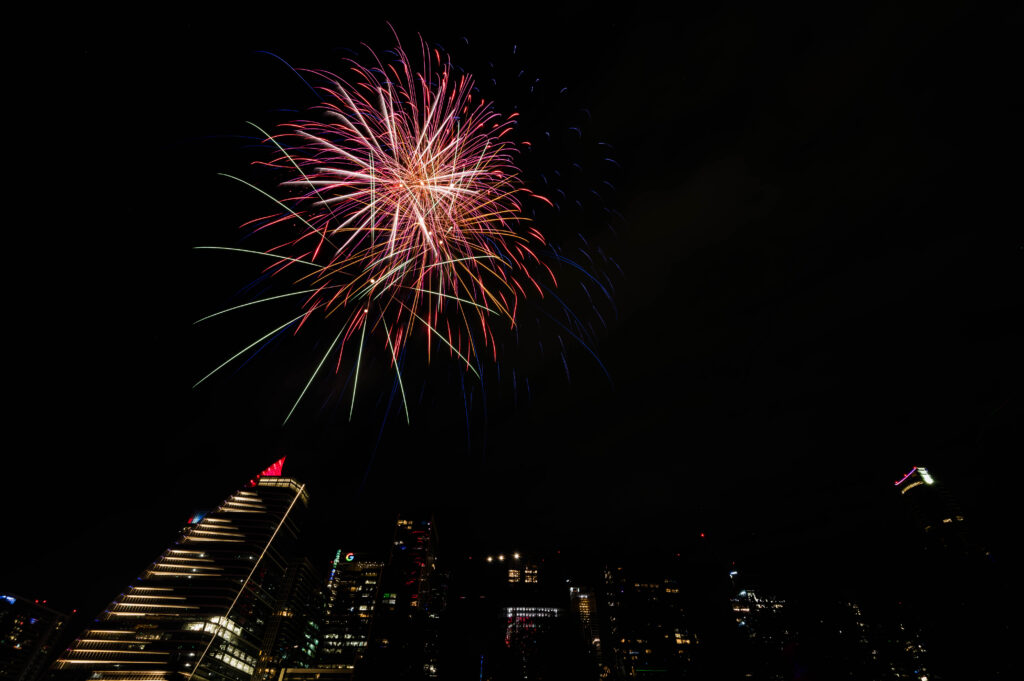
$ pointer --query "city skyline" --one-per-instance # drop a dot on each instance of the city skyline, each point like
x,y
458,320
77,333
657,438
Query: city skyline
x,y
203,607
817,293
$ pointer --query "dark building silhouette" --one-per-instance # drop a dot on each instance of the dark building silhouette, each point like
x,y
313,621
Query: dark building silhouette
x,y
583,608
647,632
764,623
404,640
201,609
510,618
293,632
941,522
29,634
953,582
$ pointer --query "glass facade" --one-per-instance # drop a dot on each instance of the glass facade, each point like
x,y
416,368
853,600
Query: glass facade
x,y
293,635
201,609
352,588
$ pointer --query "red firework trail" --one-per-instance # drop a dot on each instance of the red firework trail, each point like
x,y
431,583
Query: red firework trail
x,y
403,216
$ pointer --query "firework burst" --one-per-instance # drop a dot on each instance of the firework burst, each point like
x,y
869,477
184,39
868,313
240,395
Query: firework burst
x,y
402,216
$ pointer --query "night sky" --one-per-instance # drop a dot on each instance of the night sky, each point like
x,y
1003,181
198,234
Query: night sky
x,y
821,261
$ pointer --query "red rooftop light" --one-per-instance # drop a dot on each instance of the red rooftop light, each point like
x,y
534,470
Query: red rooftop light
x,y
274,469
271,471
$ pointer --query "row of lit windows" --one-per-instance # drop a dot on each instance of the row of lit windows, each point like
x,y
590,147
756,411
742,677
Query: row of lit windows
x,y
251,500
150,607
532,612
111,644
216,533
221,626
149,597
287,483
193,568
101,655
190,559
234,662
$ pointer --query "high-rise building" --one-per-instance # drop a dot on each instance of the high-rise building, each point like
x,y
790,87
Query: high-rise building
x,y
201,609
294,630
511,618
939,517
29,630
764,627
956,580
532,639
583,604
647,631
352,588
405,634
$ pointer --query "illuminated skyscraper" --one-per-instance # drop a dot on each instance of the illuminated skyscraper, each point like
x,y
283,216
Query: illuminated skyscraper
x,y
938,516
201,610
532,639
956,582
583,604
294,631
352,588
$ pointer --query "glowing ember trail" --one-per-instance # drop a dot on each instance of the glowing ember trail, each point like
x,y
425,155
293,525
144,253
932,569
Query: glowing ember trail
x,y
403,215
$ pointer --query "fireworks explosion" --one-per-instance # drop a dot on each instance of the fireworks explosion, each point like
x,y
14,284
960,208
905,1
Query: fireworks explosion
x,y
403,220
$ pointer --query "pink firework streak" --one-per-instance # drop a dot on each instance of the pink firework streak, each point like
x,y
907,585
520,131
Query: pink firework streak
x,y
405,214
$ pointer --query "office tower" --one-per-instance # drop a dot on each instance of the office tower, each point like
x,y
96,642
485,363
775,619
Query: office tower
x,y
405,635
200,610
760,616
764,623
942,523
29,631
510,619
874,645
583,605
294,630
955,582
532,637
647,631
352,589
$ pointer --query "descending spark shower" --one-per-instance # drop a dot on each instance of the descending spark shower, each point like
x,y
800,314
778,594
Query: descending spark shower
x,y
403,216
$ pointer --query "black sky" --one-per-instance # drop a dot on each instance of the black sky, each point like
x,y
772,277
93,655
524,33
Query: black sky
x,y
822,274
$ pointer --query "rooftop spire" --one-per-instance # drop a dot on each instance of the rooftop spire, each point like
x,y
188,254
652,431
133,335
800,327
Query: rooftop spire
x,y
271,471
274,469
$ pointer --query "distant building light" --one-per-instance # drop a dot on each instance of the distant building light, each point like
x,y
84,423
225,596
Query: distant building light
x,y
929,480
916,483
